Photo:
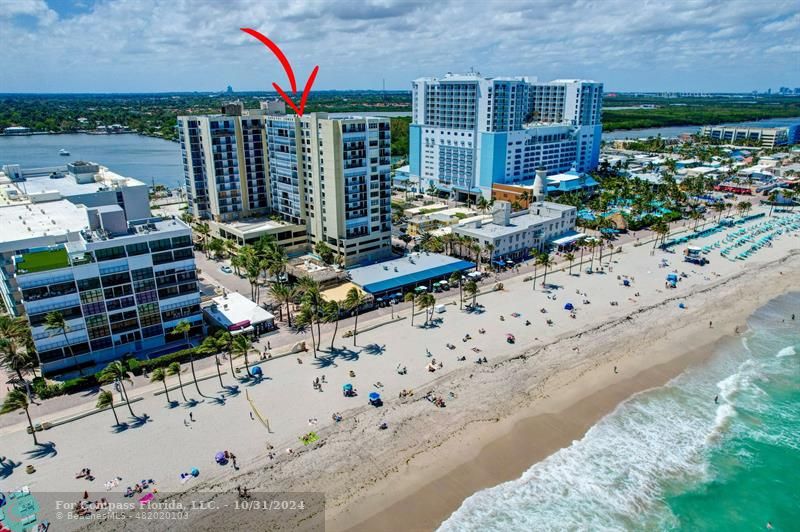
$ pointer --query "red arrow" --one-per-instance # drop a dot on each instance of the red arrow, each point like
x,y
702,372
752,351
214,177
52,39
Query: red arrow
x,y
289,72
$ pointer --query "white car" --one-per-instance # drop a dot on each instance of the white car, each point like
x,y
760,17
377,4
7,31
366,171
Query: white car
x,y
225,269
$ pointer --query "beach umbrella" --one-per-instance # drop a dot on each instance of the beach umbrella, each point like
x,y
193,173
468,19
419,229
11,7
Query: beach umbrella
x,y
195,472
568,306
256,371
219,457
347,387
374,396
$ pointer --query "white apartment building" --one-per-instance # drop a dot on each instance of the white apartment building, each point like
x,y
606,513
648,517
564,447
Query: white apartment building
x,y
327,180
224,161
333,175
468,131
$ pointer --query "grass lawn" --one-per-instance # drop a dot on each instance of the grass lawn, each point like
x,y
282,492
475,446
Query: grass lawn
x,y
40,261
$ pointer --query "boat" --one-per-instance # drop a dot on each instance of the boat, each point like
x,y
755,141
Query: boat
x,y
63,152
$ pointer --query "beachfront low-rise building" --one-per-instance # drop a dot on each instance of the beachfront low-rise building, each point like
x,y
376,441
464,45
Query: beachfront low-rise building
x,y
235,313
414,272
513,235
121,286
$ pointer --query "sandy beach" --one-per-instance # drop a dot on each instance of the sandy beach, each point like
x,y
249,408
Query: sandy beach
x,y
545,390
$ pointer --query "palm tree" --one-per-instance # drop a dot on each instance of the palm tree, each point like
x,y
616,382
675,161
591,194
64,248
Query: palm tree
x,y
159,375
237,263
14,333
105,399
284,295
426,301
209,346
175,369
353,301
311,292
772,198
231,247
457,278
224,342
204,231
330,313
582,246
117,372
476,248
216,246
55,323
242,346
545,260
482,204
743,207
570,257
183,327
471,288
535,255
489,249
306,317
16,399
409,297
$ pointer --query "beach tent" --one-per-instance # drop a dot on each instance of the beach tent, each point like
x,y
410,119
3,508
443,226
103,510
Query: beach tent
x,y
195,472
569,306
672,277
257,372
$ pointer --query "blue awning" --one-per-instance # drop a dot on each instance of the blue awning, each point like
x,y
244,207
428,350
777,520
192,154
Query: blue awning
x,y
417,277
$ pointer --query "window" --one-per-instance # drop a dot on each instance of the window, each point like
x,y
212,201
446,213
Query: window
x,y
94,308
120,303
116,278
142,286
109,253
160,245
142,273
146,297
118,291
89,284
137,249
181,241
92,296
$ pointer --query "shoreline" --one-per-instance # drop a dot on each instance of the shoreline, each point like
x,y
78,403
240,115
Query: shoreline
x,y
426,493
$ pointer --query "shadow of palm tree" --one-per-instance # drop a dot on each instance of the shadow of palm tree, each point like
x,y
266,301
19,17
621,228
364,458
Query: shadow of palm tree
x,y
90,391
120,427
374,349
43,450
7,468
191,403
219,401
173,404
139,421
258,379
232,390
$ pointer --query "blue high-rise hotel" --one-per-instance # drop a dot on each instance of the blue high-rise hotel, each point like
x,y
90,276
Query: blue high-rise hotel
x,y
469,131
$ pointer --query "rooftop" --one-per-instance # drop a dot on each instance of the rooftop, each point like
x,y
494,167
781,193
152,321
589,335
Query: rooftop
x,y
27,221
517,223
235,309
57,179
255,225
413,268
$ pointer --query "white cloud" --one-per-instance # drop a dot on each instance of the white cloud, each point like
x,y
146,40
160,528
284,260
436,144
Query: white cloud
x,y
142,45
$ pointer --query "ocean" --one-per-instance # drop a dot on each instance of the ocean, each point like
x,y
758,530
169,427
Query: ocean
x,y
148,159
670,458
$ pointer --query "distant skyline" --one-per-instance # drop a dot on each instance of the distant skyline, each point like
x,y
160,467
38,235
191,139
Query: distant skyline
x,y
52,46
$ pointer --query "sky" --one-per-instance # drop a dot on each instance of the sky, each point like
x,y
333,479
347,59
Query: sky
x,y
181,45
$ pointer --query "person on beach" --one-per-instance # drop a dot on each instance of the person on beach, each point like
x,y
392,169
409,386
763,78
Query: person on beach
x,y
716,399
710,324
615,370
191,417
